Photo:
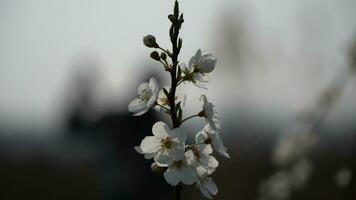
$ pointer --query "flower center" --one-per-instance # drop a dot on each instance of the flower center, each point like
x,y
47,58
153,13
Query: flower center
x,y
167,143
145,95
165,101
196,153
178,164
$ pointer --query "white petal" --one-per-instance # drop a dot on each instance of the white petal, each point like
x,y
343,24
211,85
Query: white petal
x,y
211,186
177,151
207,63
205,193
201,136
201,77
150,144
188,175
141,113
142,87
136,106
184,68
153,85
147,155
138,149
218,145
161,130
205,149
172,176
202,171
163,157
152,101
200,85
195,59
209,163
158,108
190,158
180,134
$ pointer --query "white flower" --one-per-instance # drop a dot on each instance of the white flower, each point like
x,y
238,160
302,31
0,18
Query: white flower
x,y
203,161
147,96
343,177
203,63
191,75
163,100
181,171
210,113
165,146
147,155
207,186
212,136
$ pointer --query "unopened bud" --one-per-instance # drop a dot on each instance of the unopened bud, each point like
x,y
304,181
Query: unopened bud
x,y
157,169
150,41
163,56
155,56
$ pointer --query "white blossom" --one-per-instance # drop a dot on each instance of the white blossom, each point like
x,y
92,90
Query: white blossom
x,y
294,144
197,78
166,146
204,162
203,63
181,171
163,100
343,177
147,96
210,113
212,136
207,186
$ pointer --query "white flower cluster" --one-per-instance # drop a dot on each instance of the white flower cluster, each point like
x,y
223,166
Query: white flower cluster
x,y
182,163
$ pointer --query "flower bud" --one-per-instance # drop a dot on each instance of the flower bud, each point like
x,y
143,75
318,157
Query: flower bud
x,y
150,41
155,56
157,169
163,56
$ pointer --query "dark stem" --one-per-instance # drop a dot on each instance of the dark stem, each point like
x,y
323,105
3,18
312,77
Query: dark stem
x,y
197,115
178,192
176,46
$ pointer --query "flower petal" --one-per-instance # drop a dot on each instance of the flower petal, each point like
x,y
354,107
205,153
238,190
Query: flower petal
x,y
163,157
150,144
205,149
177,151
172,176
218,145
136,106
188,175
207,63
147,155
179,133
201,77
211,186
142,112
195,59
161,130
208,187
201,136
153,85
142,87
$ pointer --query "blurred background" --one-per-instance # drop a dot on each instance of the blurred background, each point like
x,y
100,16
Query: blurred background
x,y
284,88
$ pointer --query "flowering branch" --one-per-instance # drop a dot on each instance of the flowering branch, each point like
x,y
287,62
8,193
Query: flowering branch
x,y
177,162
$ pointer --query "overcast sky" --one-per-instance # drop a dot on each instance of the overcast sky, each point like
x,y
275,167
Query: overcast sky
x,y
42,40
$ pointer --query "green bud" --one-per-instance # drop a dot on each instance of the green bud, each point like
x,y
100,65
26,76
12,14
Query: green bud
x,y
150,41
155,56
